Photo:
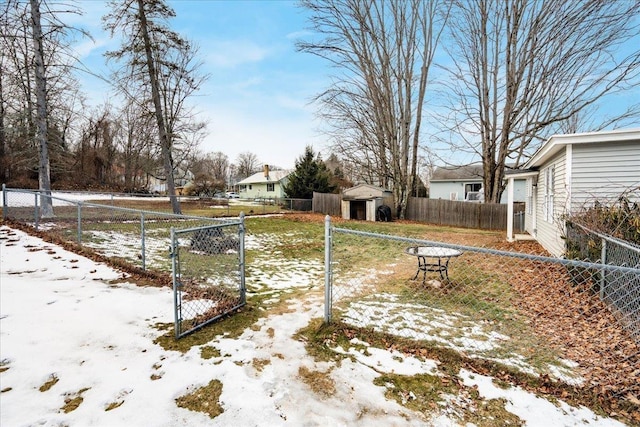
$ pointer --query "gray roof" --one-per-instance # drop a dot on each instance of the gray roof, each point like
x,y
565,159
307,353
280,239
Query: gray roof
x,y
473,171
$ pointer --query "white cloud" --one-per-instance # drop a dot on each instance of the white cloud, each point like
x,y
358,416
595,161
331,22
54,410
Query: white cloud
x,y
298,34
87,46
229,54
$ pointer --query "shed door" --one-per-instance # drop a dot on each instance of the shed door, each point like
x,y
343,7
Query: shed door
x,y
358,210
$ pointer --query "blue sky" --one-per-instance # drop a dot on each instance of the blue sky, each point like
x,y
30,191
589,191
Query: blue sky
x,y
258,94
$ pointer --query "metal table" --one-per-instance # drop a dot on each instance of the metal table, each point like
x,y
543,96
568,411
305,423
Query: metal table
x,y
432,258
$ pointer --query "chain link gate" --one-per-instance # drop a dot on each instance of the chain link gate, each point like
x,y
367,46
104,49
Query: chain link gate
x,y
208,274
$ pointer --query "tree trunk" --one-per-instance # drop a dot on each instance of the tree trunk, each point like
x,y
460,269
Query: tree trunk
x,y
44,173
4,170
165,138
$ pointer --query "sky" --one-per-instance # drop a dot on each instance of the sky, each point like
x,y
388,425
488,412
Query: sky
x,y
258,95
63,317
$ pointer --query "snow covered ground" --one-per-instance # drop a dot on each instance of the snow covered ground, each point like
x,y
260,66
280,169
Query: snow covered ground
x,y
64,318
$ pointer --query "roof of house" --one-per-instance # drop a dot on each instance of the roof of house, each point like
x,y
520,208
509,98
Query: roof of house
x,y
473,171
260,178
557,142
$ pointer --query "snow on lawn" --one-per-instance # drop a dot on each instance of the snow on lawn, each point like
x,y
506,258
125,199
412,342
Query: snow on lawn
x,y
67,323
26,197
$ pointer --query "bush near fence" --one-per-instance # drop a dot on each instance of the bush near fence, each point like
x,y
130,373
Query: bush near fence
x,y
482,216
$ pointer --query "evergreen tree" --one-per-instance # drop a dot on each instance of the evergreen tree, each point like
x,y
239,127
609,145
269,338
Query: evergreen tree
x,y
310,175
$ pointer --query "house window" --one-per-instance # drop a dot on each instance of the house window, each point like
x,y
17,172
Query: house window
x,y
250,187
453,195
271,187
469,188
549,184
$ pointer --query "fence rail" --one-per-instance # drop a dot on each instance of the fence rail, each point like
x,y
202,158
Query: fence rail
x,y
533,313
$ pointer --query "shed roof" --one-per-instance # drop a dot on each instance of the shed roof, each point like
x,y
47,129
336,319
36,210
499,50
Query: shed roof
x,y
365,191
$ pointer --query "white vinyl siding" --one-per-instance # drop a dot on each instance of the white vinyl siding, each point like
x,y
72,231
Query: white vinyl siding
x,y
549,232
549,192
590,167
530,190
603,172
442,189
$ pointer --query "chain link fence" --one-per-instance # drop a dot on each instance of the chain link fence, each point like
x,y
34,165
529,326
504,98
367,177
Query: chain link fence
x,y
572,320
621,294
203,255
140,238
208,274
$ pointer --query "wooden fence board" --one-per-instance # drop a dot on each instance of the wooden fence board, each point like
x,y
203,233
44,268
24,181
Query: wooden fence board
x,y
484,216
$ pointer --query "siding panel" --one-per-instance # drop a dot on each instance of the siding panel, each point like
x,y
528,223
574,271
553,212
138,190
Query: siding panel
x,y
604,171
549,233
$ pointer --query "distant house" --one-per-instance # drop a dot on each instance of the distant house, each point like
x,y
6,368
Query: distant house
x,y
571,172
362,201
456,183
181,179
267,184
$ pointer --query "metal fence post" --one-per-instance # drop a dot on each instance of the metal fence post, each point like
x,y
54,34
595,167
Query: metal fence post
x,y
603,260
327,269
80,223
174,272
5,207
142,242
35,211
241,235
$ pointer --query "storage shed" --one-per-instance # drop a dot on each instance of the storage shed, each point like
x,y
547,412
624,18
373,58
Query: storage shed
x,y
362,201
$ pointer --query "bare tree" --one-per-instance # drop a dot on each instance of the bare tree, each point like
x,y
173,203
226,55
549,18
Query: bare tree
x,y
210,172
35,54
4,163
161,60
524,70
247,164
44,173
383,51
136,146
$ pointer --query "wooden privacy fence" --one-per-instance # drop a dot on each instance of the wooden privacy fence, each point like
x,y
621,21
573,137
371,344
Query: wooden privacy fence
x,y
327,203
484,216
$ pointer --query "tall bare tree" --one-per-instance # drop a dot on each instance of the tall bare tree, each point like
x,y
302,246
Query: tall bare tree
x,y
136,146
523,70
44,172
159,59
37,72
247,163
382,51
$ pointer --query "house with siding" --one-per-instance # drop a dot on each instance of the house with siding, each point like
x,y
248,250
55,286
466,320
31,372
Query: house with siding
x,y
570,173
456,182
266,184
